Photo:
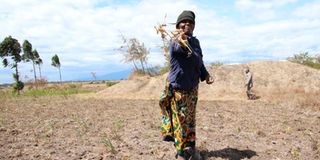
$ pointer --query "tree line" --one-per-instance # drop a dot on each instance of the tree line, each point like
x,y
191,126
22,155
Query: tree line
x,y
10,53
132,49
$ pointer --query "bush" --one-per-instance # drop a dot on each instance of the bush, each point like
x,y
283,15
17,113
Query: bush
x,y
39,83
137,73
154,71
18,86
73,86
306,59
164,70
111,83
216,64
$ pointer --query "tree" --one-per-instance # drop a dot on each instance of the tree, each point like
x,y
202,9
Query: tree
x,y
38,61
142,56
134,51
56,63
301,58
165,37
93,74
11,48
28,55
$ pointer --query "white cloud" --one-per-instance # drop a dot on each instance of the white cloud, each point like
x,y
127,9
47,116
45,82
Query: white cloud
x,y
309,10
262,4
85,34
261,9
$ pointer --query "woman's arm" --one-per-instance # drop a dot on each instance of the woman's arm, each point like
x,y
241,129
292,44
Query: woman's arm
x,y
177,48
203,73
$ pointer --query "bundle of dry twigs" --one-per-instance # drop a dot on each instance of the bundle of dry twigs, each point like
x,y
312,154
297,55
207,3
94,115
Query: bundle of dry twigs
x,y
175,35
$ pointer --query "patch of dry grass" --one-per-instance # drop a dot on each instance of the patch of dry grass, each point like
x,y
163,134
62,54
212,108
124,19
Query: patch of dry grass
x,y
303,100
284,125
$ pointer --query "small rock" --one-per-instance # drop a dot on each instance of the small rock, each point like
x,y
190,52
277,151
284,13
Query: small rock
x,y
36,156
14,132
262,134
83,153
206,128
2,129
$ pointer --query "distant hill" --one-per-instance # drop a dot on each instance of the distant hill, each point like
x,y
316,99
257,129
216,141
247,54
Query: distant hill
x,y
110,76
271,78
115,75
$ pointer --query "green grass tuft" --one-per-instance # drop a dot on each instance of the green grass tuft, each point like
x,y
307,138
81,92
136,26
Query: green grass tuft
x,y
46,92
111,83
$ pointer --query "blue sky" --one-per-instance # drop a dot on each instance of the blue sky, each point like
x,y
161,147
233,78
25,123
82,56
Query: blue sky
x,y
85,33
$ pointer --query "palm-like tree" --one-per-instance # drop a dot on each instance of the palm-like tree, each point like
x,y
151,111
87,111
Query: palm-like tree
x,y
29,56
38,61
56,63
11,48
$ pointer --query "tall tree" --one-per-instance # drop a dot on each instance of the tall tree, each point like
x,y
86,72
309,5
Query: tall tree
x,y
143,55
38,61
125,49
93,74
134,51
11,48
56,63
29,56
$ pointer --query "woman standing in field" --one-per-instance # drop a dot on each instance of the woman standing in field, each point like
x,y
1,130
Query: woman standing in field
x,y
178,101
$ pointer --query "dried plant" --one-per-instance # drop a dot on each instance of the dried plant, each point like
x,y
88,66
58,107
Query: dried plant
x,y
107,143
175,35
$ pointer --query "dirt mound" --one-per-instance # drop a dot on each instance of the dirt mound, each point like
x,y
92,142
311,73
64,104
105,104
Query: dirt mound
x,y
137,88
271,78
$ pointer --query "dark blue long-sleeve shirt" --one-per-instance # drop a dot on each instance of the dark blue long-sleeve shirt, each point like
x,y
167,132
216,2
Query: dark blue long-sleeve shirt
x,y
185,71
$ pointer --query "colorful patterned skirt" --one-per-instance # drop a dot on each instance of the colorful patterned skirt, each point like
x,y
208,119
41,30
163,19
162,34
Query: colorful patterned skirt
x,y
178,110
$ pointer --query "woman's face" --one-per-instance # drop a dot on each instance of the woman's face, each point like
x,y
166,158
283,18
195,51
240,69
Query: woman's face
x,y
187,26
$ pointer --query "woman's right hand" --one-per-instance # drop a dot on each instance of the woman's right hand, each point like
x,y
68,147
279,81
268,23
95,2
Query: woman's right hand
x,y
209,79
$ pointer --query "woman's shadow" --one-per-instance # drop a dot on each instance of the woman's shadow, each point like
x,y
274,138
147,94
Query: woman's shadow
x,y
228,153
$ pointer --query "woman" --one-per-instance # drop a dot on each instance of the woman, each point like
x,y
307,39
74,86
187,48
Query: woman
x,y
178,101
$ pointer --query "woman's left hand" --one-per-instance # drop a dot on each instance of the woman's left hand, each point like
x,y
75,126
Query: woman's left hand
x,y
209,79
